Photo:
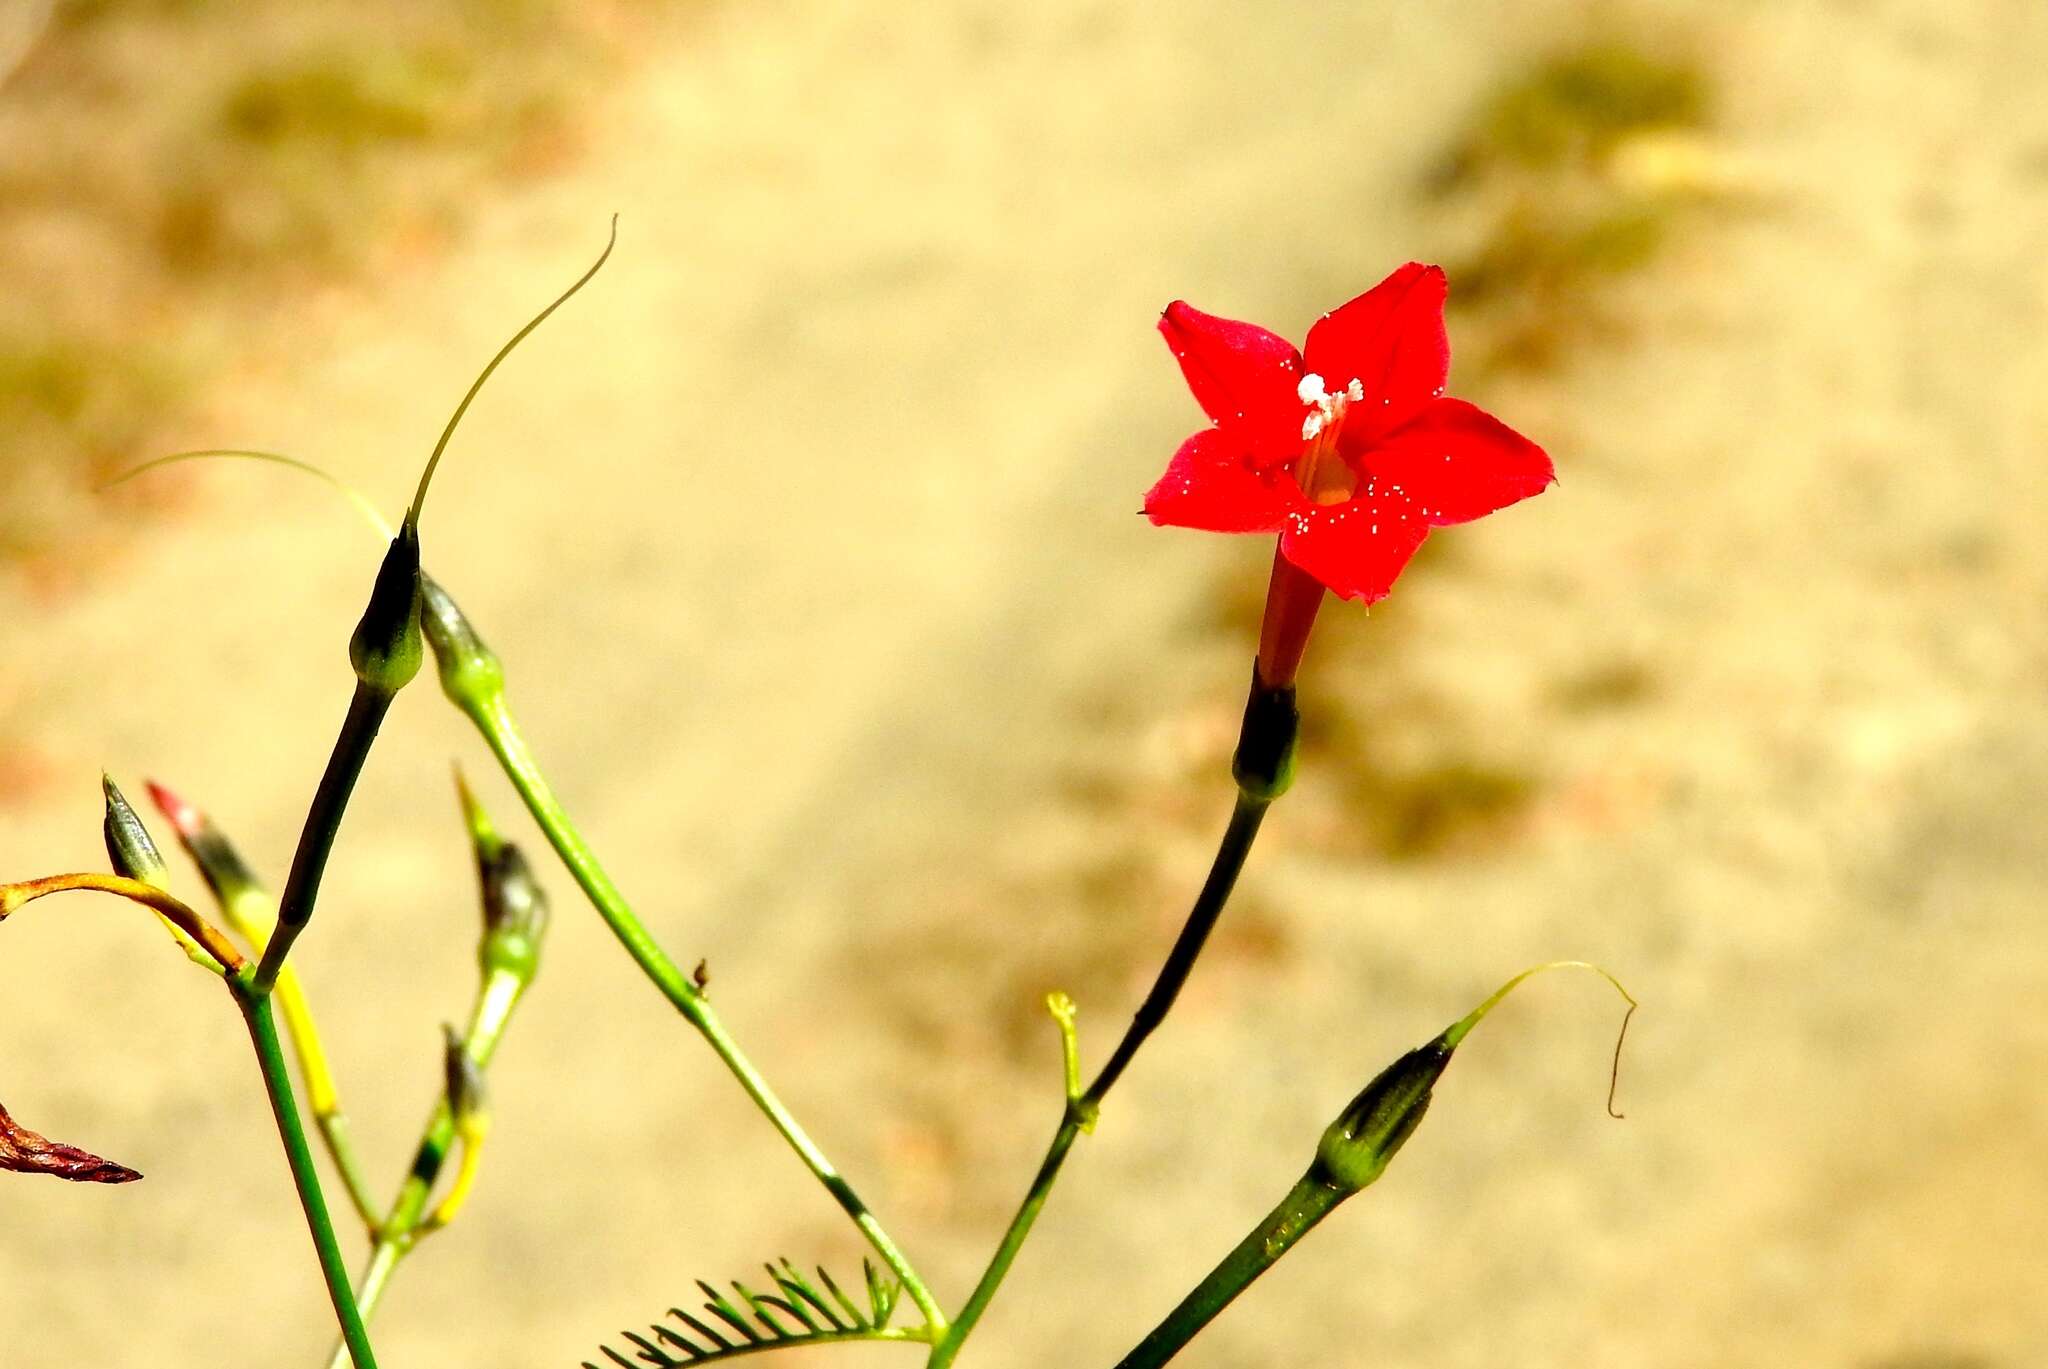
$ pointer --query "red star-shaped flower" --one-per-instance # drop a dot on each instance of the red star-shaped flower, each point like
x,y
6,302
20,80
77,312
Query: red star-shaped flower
x,y
1351,453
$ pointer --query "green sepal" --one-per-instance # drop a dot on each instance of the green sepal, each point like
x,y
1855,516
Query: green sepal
x,y
471,674
385,648
1368,1133
1263,764
128,842
515,914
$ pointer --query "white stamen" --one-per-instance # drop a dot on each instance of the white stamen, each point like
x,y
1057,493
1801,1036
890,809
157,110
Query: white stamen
x,y
1328,407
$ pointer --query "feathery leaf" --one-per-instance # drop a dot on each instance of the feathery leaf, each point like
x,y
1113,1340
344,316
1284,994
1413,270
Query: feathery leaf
x,y
797,1313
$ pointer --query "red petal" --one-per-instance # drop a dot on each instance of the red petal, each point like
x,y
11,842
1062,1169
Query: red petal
x,y
1243,376
1211,484
1391,340
1357,548
1458,462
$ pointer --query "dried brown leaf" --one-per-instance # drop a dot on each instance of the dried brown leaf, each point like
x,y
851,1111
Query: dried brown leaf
x,y
25,1152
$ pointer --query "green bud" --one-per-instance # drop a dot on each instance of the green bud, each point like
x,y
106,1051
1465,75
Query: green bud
x,y
128,844
1263,764
515,914
470,673
1355,1150
385,649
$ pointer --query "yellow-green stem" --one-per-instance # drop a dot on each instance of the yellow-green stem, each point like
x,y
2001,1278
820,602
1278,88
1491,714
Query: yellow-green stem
x,y
494,720
395,1237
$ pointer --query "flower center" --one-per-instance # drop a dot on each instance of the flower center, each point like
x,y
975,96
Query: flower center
x,y
1321,471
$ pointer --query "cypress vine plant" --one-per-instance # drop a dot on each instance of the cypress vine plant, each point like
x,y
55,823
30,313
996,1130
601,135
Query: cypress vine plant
x,y
1347,452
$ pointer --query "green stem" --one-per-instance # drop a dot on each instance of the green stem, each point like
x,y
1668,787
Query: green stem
x,y
494,720
257,1012
1081,1112
1013,1241
1307,1203
366,710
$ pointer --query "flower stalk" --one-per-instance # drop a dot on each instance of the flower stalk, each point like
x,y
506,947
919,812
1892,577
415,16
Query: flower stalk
x,y
1263,766
1084,1107
385,653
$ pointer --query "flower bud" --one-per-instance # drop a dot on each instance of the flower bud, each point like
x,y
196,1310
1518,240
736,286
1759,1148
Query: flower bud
x,y
1356,1148
385,649
470,673
128,843
515,913
220,864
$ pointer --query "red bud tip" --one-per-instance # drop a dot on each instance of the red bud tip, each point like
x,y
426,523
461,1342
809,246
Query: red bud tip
x,y
188,820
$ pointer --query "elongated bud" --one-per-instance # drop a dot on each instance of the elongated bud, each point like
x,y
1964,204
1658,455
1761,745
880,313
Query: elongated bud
x,y
515,914
1367,1134
128,844
385,649
471,674
220,864
1264,762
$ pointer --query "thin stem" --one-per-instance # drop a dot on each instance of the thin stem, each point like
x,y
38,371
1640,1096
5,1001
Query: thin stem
x,y
1019,1229
713,1030
1306,1204
494,720
1230,857
1081,1111
277,1083
322,1099
366,710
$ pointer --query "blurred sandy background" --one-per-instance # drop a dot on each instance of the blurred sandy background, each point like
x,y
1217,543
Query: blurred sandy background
x,y
807,534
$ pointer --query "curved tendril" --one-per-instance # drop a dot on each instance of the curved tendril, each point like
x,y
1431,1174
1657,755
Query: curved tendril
x,y
1463,1026
347,491
412,515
